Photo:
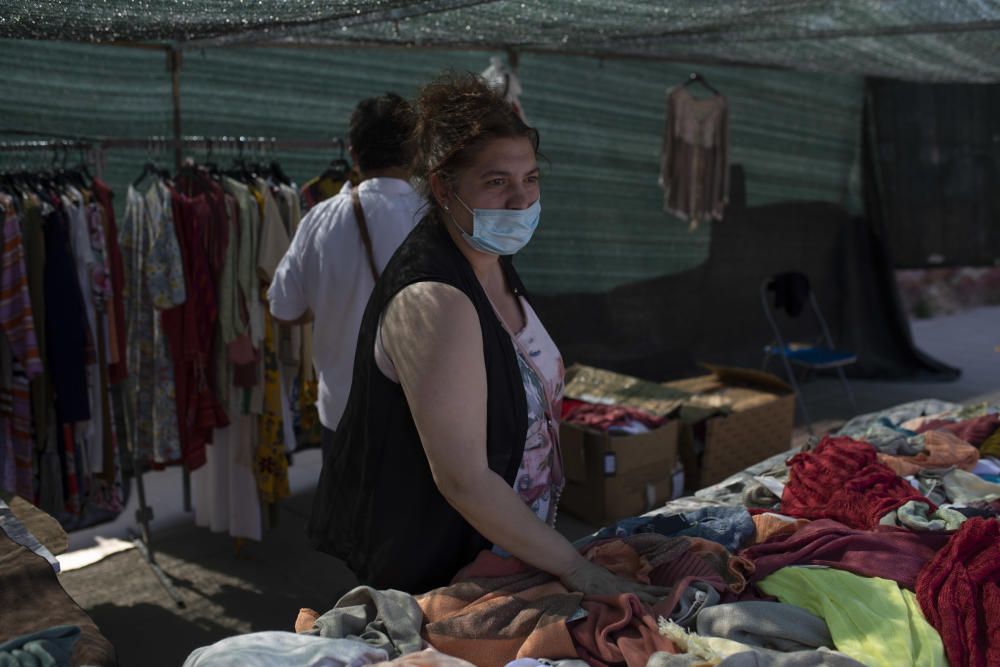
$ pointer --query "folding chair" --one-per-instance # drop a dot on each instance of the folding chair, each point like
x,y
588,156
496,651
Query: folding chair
x,y
791,292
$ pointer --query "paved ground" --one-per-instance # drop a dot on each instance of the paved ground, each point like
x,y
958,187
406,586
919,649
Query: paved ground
x,y
966,340
263,586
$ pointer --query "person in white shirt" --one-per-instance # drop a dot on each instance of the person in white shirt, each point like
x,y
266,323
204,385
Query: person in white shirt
x,y
327,275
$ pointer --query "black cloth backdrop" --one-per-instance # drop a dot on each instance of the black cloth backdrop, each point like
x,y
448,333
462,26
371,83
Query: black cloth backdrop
x,y
660,328
934,152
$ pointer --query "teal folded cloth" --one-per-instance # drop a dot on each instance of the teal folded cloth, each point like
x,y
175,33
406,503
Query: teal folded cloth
x,y
51,647
916,515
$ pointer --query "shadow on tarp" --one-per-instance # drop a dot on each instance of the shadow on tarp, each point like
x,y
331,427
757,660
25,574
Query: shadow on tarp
x,y
660,328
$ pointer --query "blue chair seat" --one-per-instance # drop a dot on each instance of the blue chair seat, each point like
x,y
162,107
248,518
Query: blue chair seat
x,y
813,357
791,293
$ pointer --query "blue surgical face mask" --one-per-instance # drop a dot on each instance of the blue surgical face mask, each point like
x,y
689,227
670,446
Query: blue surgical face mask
x,y
500,231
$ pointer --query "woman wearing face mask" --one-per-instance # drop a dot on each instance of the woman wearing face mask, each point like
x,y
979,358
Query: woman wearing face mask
x,y
449,443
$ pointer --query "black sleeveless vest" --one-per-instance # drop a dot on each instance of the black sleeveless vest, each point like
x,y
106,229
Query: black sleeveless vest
x,y
376,505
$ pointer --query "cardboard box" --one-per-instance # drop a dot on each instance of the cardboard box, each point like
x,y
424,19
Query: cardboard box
x,y
610,477
741,416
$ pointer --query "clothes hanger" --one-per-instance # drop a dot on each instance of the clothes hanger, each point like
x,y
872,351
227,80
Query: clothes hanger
x,y
148,169
277,173
210,165
44,182
273,168
695,77
54,171
59,177
263,164
187,176
23,180
251,161
239,168
82,171
27,179
339,168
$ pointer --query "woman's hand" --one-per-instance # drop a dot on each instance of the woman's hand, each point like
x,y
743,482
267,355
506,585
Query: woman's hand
x,y
590,578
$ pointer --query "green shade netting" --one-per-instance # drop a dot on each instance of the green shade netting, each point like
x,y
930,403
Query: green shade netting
x,y
942,40
795,134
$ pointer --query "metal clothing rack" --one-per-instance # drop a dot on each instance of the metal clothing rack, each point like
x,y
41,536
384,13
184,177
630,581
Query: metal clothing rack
x,y
221,141
93,151
89,153
230,144
48,144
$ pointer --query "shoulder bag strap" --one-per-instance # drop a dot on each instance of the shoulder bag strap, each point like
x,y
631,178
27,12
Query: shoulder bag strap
x,y
359,215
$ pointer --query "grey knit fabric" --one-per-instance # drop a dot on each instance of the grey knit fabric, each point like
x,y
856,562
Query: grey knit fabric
x,y
773,625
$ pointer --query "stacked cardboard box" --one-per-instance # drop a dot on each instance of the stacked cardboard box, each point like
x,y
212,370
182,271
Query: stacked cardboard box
x,y
608,476
718,424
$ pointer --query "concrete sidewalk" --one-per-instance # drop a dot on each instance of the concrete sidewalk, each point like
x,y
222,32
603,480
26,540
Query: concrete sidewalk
x,y
967,341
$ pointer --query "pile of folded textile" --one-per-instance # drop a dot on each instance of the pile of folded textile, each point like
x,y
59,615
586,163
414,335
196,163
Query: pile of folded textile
x,y
879,545
611,418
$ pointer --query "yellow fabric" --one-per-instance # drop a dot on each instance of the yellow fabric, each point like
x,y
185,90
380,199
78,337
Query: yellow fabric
x,y
991,446
323,188
271,464
870,619
310,428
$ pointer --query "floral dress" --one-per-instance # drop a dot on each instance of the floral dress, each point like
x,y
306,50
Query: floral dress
x,y
154,279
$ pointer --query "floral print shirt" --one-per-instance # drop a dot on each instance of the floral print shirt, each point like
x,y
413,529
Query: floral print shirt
x,y
539,480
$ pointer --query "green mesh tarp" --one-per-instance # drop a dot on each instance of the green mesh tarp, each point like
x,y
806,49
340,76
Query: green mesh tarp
x,y
944,40
600,117
601,122
621,283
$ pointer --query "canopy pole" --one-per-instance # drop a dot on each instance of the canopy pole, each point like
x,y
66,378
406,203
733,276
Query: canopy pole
x,y
174,64
513,58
